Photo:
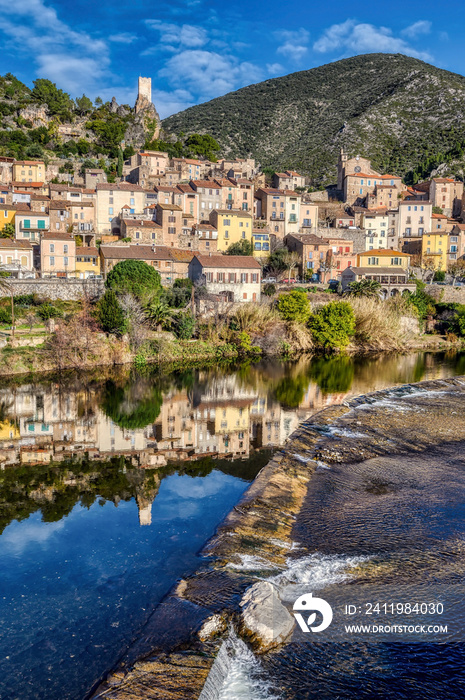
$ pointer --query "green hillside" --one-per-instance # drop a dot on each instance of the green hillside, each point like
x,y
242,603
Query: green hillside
x,y
406,115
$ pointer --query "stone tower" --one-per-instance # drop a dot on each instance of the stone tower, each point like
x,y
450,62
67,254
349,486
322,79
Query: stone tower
x,y
144,95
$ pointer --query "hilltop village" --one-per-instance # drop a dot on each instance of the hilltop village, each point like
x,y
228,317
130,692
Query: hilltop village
x,y
182,215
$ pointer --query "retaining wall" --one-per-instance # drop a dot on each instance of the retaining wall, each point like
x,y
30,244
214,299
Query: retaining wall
x,y
66,289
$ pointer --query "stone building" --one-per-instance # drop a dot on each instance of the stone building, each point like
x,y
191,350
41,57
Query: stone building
x,y
280,209
57,255
236,278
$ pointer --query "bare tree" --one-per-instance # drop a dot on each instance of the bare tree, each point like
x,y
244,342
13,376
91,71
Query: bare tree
x,y
456,268
330,263
291,260
137,317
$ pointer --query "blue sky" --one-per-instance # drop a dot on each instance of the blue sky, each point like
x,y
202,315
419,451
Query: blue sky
x,y
195,50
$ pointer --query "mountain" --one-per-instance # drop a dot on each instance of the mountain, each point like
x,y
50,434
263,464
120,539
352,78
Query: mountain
x,y
404,114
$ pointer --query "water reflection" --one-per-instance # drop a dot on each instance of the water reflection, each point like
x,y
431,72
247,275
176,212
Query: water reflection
x,y
157,420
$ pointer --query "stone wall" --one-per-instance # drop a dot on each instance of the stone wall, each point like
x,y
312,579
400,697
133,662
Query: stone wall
x,y
446,293
66,289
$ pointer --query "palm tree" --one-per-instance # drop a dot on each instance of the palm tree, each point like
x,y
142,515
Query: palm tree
x,y
364,288
5,286
159,313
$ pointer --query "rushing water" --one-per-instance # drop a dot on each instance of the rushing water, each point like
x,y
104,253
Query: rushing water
x,y
109,488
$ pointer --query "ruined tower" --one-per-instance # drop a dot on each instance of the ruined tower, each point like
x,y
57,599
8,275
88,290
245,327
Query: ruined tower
x,y
145,92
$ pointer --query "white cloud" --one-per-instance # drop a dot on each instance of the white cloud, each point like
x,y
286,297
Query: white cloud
x,y
123,38
295,43
168,103
207,73
274,68
75,60
423,26
178,35
357,37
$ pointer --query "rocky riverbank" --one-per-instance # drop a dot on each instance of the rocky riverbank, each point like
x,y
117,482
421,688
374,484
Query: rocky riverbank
x,y
186,632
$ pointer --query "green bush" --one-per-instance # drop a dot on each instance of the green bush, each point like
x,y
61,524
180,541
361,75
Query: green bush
x,y
184,325
134,277
333,325
47,310
439,276
294,306
269,289
110,314
5,316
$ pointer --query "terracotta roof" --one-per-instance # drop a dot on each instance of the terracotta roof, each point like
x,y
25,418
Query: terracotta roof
x,y
119,186
28,184
154,154
59,204
186,189
421,202
443,179
181,255
309,239
438,216
191,161
169,207
164,188
14,243
276,192
29,162
86,250
229,261
210,184
138,252
20,206
50,236
204,227
141,223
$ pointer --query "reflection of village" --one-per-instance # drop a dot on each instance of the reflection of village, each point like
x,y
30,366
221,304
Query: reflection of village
x,y
219,416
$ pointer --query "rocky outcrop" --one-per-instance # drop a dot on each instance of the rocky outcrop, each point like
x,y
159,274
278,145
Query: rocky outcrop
x,y
37,114
265,621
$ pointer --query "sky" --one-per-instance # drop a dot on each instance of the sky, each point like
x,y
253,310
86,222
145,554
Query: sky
x,y
195,50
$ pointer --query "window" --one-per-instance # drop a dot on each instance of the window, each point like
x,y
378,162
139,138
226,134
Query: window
x,y
132,201
255,277
41,224
137,234
110,211
52,247
244,278
52,261
373,261
420,231
65,249
244,296
396,261
65,260
453,249
227,222
220,277
171,229
172,219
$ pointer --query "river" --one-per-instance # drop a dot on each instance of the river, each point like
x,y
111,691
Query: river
x,y
109,487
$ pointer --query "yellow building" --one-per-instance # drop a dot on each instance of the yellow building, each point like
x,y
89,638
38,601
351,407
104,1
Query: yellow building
x,y
7,215
383,259
28,171
233,225
260,243
434,246
9,431
87,262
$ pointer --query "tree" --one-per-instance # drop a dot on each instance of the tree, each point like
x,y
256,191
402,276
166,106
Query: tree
x,y
243,247
110,314
276,263
159,313
136,320
184,324
83,105
58,102
456,269
426,265
203,145
333,325
8,231
294,306
5,286
134,277
291,260
437,210
327,265
119,169
364,288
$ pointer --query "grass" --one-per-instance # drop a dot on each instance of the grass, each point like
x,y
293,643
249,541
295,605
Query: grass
x,y
379,325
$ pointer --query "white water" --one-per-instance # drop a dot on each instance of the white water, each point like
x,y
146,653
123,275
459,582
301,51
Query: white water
x,y
237,675
315,571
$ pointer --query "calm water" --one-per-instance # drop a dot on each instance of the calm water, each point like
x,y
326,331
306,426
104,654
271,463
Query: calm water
x,y
109,488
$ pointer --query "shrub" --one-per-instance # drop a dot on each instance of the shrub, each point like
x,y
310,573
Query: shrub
x,y
184,325
134,277
26,300
253,318
47,310
5,316
269,289
294,306
333,325
439,276
378,323
242,247
110,314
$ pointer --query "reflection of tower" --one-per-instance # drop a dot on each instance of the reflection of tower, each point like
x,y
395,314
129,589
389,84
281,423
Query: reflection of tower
x,y
145,512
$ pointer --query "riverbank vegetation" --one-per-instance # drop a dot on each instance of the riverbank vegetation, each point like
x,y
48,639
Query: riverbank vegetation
x,y
138,321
